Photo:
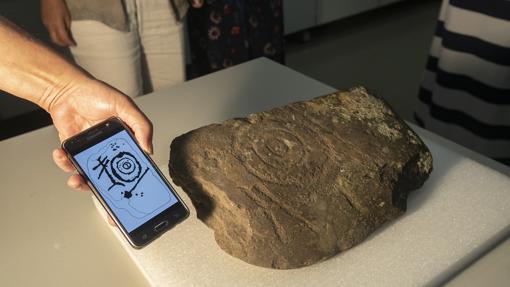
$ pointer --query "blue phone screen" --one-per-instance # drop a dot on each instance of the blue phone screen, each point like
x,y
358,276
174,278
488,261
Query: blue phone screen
x,y
126,180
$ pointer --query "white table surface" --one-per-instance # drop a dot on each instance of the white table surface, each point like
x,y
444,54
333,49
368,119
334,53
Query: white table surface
x,y
52,236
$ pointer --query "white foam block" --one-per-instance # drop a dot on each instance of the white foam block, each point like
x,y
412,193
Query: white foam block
x,y
462,211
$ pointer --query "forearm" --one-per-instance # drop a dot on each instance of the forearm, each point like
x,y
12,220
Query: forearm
x,y
30,70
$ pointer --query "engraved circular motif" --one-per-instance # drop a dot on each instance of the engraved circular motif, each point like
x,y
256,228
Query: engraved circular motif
x,y
279,147
281,153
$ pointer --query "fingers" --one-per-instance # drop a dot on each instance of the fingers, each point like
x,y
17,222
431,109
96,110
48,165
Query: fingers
x,y
57,19
139,124
77,182
197,3
61,35
143,133
67,22
60,158
110,220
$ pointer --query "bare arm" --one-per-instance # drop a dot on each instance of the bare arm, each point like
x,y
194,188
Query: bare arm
x,y
75,100
31,70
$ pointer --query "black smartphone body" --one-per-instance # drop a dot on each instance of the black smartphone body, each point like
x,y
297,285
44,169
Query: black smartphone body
x,y
126,181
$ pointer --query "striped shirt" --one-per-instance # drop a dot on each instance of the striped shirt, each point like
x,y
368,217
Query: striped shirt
x,y
465,92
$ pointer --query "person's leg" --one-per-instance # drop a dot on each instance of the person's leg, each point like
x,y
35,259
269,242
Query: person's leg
x,y
109,55
264,22
161,36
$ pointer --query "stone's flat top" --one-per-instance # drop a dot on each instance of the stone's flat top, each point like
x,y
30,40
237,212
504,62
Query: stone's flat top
x,y
54,237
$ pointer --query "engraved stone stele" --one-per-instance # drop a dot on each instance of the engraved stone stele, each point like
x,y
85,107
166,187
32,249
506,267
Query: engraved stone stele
x,y
297,184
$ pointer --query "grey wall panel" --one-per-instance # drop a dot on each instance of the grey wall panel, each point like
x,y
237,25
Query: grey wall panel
x,y
299,15
331,10
386,2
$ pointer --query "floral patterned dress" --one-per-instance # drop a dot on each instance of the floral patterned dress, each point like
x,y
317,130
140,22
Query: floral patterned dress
x,y
224,33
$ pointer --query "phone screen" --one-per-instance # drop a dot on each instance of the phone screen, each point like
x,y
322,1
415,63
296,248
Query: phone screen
x,y
126,180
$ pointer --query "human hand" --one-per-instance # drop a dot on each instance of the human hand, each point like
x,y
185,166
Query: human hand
x,y
74,100
85,102
196,3
57,20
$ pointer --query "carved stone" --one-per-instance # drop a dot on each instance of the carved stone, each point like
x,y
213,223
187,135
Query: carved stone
x,y
298,184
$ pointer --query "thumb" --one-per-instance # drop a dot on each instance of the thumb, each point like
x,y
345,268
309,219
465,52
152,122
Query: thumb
x,y
139,124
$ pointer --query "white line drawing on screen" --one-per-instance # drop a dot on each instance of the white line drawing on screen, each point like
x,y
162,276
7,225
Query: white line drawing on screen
x,y
119,173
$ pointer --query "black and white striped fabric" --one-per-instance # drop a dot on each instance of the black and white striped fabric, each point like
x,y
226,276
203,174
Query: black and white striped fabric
x,y
465,93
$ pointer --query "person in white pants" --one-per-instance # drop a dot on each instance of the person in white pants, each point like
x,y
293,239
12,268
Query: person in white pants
x,y
142,54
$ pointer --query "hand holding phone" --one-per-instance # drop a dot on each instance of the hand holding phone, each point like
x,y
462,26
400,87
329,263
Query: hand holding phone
x,y
126,181
88,102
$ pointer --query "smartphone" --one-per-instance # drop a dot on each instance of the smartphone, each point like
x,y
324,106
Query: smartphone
x,y
126,181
